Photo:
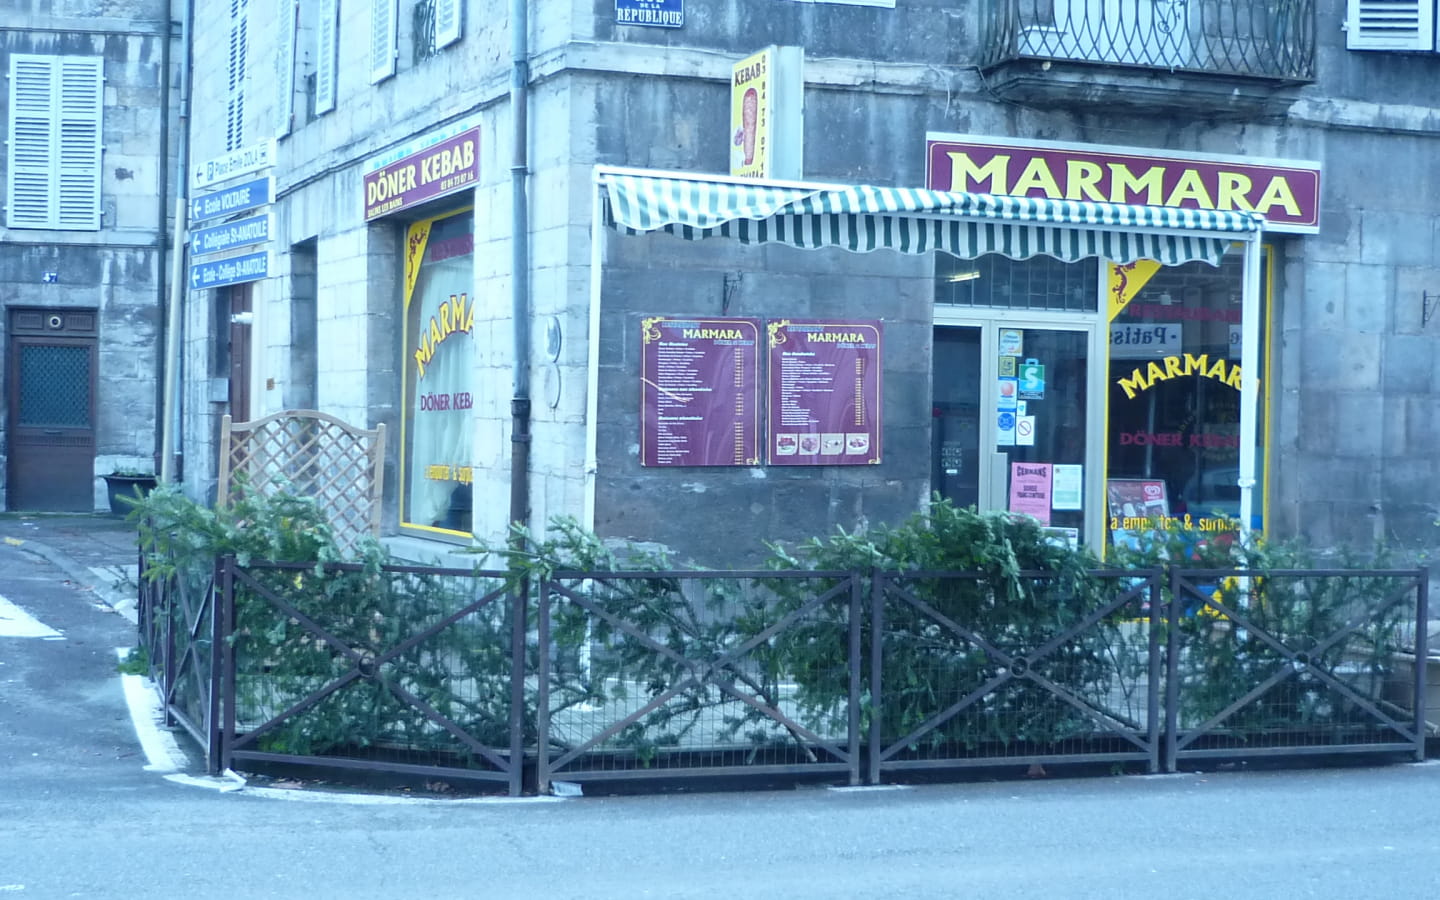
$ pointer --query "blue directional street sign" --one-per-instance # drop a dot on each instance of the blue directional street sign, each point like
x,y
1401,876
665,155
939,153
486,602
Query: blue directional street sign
x,y
231,270
233,200
229,235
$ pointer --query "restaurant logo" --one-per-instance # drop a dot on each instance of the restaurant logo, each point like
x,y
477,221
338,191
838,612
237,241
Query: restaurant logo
x,y
1285,192
1176,367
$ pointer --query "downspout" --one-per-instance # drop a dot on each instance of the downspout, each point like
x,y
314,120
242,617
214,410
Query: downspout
x,y
162,210
520,265
170,409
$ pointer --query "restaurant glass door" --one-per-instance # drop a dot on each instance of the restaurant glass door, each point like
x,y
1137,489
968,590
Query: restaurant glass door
x,y
1016,425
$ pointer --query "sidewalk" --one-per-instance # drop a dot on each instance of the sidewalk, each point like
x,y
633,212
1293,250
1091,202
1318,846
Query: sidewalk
x,y
94,551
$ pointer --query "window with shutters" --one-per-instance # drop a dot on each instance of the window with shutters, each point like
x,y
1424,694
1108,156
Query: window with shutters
x,y
447,22
289,13
235,93
53,170
383,39
325,61
1390,25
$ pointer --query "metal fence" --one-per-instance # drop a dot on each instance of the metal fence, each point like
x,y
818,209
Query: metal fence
x,y
963,672
179,632
454,674
1260,38
1292,662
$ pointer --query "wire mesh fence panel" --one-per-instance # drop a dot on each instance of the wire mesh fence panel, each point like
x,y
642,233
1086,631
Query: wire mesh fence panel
x,y
391,668
181,623
967,670
669,674
1287,662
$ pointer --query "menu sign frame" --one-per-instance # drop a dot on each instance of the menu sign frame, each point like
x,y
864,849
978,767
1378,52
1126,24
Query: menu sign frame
x,y
824,392
699,391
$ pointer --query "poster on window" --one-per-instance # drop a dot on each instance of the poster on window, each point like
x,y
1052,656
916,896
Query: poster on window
x,y
1030,490
824,397
438,376
699,392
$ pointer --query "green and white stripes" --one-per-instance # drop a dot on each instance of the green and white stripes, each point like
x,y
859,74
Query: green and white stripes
x,y
911,220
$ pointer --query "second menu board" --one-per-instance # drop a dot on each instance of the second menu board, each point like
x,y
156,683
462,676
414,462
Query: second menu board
x,y
824,403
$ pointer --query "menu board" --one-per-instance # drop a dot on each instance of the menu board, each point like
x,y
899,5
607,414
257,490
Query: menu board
x,y
824,407
700,392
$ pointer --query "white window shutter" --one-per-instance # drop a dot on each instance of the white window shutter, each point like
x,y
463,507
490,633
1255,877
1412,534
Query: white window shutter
x,y
28,189
285,68
1390,24
82,96
383,39
325,46
447,22
53,176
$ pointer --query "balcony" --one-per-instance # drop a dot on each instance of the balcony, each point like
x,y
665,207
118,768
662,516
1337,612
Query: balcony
x,y
1221,58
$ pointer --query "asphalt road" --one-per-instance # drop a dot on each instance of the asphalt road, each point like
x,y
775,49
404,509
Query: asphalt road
x,y
81,817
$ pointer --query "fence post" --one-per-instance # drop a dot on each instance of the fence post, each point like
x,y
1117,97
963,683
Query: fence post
x,y
216,596
1172,667
877,627
542,688
854,716
1156,598
519,614
167,666
1422,657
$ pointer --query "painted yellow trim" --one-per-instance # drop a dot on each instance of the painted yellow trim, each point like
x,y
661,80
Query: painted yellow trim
x,y
407,291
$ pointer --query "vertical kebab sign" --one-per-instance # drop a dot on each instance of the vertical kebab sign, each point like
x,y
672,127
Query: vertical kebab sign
x,y
824,404
767,115
699,392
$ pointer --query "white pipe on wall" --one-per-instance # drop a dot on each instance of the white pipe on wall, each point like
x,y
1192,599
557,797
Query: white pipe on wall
x,y
592,363
1249,379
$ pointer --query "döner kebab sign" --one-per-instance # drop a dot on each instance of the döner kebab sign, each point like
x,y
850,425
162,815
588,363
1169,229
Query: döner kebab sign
x,y
1285,192
445,167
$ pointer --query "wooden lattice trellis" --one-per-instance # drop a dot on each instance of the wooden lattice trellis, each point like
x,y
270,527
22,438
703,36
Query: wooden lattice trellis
x,y
310,454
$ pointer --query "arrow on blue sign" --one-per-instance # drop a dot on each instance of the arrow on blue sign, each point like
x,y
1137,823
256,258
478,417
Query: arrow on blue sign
x,y
233,200
231,270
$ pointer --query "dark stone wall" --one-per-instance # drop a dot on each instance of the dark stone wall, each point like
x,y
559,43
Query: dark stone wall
x,y
722,516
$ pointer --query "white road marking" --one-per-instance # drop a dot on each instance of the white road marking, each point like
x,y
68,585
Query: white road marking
x,y
16,622
166,757
158,744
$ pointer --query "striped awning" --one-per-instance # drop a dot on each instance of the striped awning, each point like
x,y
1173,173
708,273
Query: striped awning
x,y
912,220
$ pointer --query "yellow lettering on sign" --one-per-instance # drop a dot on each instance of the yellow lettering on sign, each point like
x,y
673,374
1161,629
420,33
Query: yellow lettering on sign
x,y
1190,187
966,176
455,317
1278,193
1037,176
1233,188
1146,188
1177,366
1082,181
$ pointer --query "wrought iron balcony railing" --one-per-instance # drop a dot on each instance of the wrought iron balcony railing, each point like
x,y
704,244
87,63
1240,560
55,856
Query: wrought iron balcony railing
x,y
1272,39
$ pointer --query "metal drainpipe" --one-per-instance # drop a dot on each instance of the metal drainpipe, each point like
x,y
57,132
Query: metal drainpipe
x,y
170,409
162,209
520,266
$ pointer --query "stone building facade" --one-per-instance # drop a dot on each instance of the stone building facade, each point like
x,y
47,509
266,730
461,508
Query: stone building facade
x,y
372,279
87,161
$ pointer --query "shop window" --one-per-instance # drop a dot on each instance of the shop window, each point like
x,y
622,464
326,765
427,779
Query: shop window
x,y
1039,284
1174,398
439,349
